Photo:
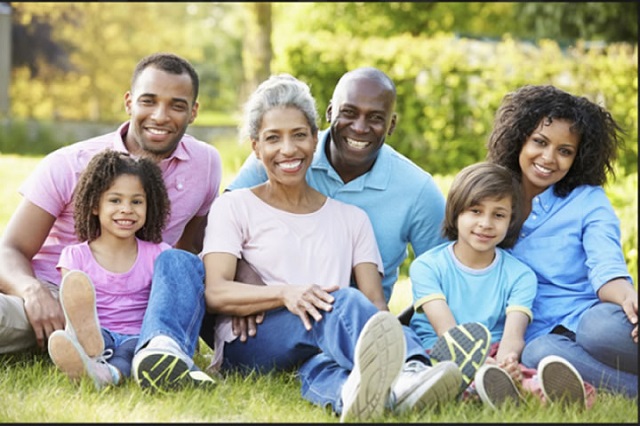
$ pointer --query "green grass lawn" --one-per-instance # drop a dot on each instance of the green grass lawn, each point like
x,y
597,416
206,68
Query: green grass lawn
x,y
32,390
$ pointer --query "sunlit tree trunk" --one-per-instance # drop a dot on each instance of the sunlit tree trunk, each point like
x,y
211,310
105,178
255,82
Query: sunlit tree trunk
x,y
256,49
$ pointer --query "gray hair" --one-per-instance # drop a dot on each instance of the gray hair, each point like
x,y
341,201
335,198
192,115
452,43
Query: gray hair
x,y
281,90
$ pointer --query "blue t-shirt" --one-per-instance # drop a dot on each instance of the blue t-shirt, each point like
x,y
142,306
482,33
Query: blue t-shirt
x,y
403,202
473,295
573,246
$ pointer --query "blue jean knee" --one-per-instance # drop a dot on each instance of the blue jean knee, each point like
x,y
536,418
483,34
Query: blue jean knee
x,y
176,303
605,332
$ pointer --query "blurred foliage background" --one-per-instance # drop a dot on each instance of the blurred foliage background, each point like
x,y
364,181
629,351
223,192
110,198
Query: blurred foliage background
x,y
452,63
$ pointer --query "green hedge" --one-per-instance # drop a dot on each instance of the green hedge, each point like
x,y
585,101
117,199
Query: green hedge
x,y
449,88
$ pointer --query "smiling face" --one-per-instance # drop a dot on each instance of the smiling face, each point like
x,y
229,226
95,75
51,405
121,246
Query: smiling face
x,y
547,155
481,227
122,209
161,107
285,145
361,116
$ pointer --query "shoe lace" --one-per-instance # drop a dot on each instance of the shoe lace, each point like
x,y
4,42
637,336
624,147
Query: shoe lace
x,y
105,356
414,366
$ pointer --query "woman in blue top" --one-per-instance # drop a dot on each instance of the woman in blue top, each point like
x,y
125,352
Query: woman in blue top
x,y
563,147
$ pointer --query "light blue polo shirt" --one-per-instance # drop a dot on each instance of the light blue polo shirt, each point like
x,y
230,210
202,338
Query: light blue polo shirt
x,y
403,201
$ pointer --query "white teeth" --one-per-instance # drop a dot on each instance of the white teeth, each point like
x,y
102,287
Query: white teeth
x,y
542,169
157,131
124,222
290,165
357,144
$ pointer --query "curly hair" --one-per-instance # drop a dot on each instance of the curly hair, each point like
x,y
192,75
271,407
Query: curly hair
x,y
99,176
522,112
477,182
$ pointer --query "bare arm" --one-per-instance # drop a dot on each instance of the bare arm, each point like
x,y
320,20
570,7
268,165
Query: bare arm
x,y
193,235
246,326
226,296
369,282
512,343
439,315
25,233
621,292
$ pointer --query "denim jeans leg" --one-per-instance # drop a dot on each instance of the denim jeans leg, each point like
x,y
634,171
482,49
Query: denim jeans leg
x,y
415,350
592,371
176,303
605,332
323,376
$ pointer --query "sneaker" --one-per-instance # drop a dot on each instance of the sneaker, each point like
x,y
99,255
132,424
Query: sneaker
x,y
378,358
67,354
467,345
167,368
420,386
78,300
495,386
560,381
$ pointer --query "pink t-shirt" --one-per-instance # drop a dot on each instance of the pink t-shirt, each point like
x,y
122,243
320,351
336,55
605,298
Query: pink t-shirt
x,y
121,298
319,248
192,175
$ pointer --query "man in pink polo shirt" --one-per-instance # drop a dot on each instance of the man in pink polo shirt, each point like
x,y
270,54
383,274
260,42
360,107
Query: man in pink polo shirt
x,y
161,103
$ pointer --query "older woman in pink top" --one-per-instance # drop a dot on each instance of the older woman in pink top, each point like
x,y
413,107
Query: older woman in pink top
x,y
348,350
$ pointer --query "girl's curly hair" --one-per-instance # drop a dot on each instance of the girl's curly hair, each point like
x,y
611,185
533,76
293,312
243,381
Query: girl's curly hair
x,y
522,112
98,177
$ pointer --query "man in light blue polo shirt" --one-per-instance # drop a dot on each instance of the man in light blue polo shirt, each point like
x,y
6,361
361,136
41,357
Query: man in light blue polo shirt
x,y
353,164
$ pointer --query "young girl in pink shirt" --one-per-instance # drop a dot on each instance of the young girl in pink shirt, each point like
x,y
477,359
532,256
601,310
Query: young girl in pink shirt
x,y
120,209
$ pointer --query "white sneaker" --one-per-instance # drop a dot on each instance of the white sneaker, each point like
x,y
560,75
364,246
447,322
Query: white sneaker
x,y
162,366
561,382
78,300
378,358
70,357
420,386
495,386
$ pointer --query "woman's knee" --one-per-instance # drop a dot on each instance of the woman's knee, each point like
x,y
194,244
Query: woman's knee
x,y
603,324
350,296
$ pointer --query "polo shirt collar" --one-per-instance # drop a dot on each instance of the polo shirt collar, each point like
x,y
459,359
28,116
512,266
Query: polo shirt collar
x,y
376,178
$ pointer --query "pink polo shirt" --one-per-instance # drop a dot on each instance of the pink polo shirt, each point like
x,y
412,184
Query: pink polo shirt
x,y
192,174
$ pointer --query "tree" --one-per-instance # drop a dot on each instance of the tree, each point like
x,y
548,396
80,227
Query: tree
x,y
605,21
33,44
256,48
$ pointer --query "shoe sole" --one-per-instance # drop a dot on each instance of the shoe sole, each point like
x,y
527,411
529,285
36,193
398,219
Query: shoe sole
x,y
495,386
65,355
78,299
379,356
163,371
440,385
561,382
467,345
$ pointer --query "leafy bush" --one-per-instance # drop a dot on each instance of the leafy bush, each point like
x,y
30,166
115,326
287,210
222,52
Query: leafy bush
x,y
449,88
18,137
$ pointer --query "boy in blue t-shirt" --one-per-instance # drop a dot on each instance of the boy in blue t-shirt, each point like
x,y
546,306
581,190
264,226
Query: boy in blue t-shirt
x,y
472,278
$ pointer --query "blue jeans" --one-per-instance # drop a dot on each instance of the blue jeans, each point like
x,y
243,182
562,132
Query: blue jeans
x,y
176,303
323,356
601,349
123,346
